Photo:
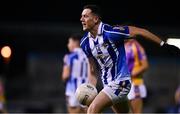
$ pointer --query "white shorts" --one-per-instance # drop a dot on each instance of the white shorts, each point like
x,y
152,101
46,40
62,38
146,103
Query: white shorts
x,y
117,90
137,91
72,101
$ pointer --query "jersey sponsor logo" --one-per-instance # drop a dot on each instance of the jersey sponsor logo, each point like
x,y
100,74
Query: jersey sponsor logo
x,y
120,28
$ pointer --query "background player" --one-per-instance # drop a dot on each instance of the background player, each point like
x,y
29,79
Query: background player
x,y
177,99
137,64
104,44
75,71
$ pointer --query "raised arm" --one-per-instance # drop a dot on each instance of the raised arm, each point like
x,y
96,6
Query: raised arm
x,y
134,31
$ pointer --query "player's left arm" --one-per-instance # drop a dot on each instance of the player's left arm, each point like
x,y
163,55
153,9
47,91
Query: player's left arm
x,y
177,95
134,31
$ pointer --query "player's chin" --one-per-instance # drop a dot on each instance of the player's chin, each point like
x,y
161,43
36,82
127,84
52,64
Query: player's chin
x,y
85,28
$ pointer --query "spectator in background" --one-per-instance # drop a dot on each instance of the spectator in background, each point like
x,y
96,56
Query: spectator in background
x,y
177,99
75,71
2,98
175,108
137,64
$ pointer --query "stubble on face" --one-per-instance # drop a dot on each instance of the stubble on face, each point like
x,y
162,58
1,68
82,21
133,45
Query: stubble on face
x,y
87,20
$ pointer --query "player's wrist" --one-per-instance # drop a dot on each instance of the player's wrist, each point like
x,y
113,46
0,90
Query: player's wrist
x,y
162,43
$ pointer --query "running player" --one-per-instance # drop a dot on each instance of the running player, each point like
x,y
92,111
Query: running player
x,y
137,63
74,73
104,45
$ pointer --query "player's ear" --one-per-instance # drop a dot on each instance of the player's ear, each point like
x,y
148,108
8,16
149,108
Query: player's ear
x,y
96,19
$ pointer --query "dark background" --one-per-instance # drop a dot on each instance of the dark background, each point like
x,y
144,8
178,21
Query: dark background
x,y
37,31
43,24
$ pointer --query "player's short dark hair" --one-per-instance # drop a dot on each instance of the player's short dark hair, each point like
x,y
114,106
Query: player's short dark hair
x,y
76,37
94,9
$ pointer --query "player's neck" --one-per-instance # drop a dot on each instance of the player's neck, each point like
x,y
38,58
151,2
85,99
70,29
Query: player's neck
x,y
94,31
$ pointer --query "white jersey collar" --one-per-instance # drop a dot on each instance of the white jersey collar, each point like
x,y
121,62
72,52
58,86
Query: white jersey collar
x,y
76,49
99,31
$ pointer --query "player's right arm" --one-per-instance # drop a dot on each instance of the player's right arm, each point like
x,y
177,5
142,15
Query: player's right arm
x,y
65,73
92,71
143,67
142,61
92,67
66,69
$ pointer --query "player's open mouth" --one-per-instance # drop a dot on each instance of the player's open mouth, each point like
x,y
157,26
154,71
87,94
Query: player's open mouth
x,y
83,24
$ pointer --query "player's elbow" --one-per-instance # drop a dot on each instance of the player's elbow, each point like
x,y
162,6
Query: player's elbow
x,y
64,78
146,66
93,72
136,31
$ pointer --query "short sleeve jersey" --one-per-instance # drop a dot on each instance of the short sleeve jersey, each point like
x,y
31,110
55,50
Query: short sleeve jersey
x,y
78,64
108,51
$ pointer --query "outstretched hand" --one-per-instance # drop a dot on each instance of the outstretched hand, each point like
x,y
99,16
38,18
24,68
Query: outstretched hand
x,y
171,49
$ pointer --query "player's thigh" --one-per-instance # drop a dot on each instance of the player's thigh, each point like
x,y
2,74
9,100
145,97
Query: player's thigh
x,y
72,110
100,102
121,107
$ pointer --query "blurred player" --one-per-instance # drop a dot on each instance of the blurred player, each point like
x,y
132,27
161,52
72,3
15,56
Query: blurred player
x,y
75,72
104,47
177,99
137,63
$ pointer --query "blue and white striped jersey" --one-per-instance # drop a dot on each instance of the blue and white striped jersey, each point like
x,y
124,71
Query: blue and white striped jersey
x,y
108,51
78,64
